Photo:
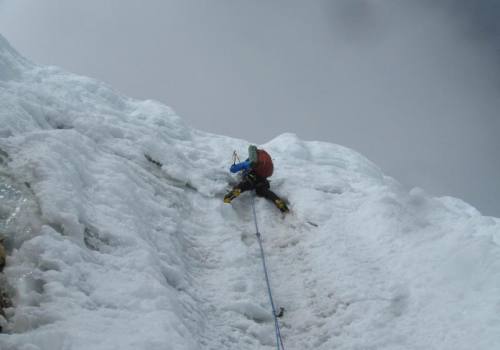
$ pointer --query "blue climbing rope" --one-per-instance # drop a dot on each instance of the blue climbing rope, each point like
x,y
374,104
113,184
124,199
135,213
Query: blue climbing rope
x,y
279,341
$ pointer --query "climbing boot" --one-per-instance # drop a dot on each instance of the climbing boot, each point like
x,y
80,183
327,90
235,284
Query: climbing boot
x,y
232,195
281,205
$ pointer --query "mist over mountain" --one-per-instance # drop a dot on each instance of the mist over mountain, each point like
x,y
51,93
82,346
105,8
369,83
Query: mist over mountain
x,y
413,85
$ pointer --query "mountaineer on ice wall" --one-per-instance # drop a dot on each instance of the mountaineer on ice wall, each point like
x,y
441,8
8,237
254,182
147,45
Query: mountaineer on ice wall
x,y
255,171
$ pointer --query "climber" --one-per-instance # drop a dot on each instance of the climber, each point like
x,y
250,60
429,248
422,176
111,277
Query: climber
x,y
255,170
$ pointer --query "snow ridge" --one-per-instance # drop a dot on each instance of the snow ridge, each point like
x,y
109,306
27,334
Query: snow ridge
x,y
108,250
11,63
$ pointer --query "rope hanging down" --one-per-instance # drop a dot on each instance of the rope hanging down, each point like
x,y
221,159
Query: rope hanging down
x,y
279,341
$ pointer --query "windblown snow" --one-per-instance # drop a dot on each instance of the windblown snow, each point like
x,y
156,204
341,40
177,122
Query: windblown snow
x,y
108,250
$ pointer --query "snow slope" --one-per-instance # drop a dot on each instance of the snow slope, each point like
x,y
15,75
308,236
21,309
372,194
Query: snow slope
x,y
110,251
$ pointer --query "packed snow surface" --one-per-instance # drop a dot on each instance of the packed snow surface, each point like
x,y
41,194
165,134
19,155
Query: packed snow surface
x,y
108,250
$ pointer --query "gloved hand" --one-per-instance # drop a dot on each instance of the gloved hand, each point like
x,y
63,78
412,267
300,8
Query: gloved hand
x,y
234,168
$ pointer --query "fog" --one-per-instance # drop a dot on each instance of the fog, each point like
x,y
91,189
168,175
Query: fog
x,y
413,85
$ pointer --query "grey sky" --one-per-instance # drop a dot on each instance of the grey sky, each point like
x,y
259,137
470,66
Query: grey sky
x,y
413,85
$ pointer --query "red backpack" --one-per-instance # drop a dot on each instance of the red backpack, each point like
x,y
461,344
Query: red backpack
x,y
264,167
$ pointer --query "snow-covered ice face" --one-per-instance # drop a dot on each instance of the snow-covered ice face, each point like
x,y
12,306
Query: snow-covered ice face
x,y
19,213
109,250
